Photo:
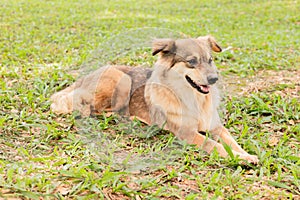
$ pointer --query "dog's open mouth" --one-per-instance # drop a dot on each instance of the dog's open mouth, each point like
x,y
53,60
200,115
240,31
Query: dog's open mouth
x,y
201,88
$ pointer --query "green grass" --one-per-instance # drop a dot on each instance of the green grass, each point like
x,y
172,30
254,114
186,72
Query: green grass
x,y
42,155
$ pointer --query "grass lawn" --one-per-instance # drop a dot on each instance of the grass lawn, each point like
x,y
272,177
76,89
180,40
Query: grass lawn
x,y
46,45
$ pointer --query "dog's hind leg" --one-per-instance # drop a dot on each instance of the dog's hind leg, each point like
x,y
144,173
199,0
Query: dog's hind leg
x,y
112,91
107,89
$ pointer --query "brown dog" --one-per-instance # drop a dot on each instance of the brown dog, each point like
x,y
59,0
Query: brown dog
x,y
179,94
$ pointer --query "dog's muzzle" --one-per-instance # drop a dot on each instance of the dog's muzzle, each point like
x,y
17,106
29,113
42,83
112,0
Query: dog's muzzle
x,y
204,89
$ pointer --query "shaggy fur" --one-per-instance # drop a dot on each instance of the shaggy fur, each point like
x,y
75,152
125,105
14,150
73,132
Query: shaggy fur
x,y
179,94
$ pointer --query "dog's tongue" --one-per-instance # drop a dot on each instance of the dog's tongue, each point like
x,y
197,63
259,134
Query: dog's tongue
x,y
204,88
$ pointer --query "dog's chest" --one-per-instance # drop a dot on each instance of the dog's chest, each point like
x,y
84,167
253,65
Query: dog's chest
x,y
200,107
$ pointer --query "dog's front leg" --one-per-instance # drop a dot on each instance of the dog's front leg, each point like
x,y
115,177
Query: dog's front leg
x,y
183,131
205,143
208,145
222,133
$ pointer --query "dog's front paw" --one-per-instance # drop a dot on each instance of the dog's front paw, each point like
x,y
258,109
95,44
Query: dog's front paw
x,y
250,158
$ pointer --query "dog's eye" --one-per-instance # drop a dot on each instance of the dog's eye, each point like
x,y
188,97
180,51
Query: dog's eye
x,y
210,60
193,61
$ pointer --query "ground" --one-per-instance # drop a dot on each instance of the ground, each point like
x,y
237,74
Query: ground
x,y
46,45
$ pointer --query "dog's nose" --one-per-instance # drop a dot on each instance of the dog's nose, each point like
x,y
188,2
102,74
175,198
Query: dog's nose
x,y
212,79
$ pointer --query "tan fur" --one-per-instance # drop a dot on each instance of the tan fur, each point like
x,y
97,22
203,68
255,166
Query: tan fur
x,y
178,95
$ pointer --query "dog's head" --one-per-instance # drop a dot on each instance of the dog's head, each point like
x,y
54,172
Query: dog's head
x,y
191,59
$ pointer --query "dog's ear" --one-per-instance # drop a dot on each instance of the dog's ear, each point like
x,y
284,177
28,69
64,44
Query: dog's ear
x,y
212,43
163,45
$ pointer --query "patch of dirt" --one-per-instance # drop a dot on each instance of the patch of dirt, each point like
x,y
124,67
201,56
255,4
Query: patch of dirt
x,y
284,83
